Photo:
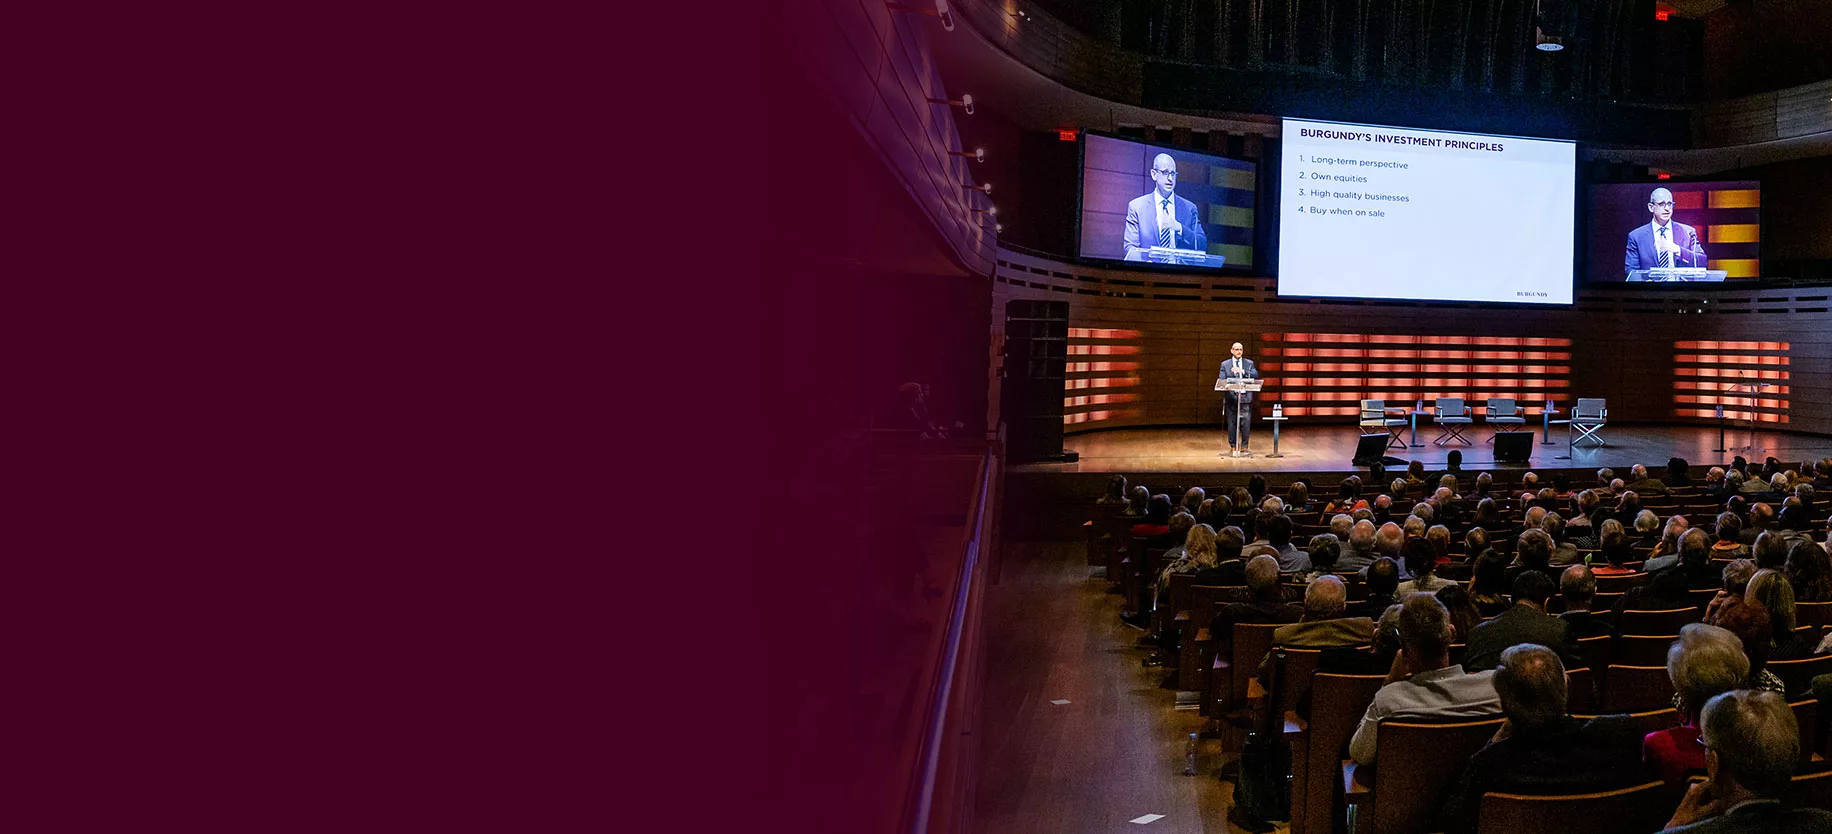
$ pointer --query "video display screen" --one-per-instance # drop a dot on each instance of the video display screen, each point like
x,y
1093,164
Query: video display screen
x,y
1423,215
1668,232
1172,206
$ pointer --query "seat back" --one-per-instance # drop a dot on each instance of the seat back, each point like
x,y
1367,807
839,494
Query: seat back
x,y
1810,790
1640,808
1636,689
1620,583
1642,723
1806,716
1373,412
1581,690
1815,614
1452,407
1296,668
1594,653
1337,703
1418,764
1252,642
1667,621
1501,407
1798,674
1642,650
1588,409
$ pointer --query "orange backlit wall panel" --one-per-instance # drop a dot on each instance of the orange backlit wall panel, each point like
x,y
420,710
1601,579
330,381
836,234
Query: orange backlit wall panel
x,y
1711,374
1316,373
1080,408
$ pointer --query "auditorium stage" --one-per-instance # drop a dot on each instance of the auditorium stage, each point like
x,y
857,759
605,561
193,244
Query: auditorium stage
x,y
1330,449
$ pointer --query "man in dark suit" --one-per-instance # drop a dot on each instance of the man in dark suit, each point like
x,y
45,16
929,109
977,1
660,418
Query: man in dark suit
x,y
1525,622
1268,605
1578,587
1382,582
1540,750
1237,365
1162,218
1752,744
1644,485
1663,242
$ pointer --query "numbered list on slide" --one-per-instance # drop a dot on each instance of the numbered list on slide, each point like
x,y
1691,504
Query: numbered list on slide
x,y
1411,214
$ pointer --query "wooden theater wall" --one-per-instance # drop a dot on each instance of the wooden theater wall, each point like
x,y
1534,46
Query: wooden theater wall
x,y
1144,348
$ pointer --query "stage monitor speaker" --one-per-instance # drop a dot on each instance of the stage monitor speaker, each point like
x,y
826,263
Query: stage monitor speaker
x,y
1514,446
1370,448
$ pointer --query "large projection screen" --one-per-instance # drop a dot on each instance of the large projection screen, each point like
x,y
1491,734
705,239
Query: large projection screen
x,y
1424,215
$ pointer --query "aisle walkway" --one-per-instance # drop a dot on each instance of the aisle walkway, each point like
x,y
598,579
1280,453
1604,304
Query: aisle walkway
x,y
1115,752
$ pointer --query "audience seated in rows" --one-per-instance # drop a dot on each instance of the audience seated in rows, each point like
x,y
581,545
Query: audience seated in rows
x,y
1382,583
1540,749
1463,614
1770,590
1809,570
1525,622
1360,552
1751,626
1374,659
1422,563
1752,745
1268,603
1422,682
1325,622
1488,588
1577,587
1703,663
1736,580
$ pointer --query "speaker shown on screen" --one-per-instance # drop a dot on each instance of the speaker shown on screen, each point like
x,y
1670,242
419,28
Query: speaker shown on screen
x,y
1514,446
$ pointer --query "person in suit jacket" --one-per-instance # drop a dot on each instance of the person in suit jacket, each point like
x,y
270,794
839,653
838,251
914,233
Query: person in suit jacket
x,y
1541,750
1323,624
1162,218
1662,242
1578,587
1752,745
1237,365
1526,622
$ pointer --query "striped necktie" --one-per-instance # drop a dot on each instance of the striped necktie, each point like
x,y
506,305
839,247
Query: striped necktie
x,y
1164,234
1666,258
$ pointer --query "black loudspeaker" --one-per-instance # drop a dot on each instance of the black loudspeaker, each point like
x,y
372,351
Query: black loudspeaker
x,y
1370,448
1036,363
1513,446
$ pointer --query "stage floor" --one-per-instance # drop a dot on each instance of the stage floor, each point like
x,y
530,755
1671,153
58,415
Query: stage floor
x,y
1331,448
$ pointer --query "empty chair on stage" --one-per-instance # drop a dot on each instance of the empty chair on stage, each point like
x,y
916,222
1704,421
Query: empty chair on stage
x,y
1589,417
1504,415
1452,415
1375,418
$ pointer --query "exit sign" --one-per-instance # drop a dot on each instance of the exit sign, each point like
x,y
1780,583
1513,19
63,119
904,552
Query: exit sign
x,y
1662,14
1066,135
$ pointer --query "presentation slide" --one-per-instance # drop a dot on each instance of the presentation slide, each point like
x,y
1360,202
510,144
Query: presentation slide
x,y
1153,204
1675,232
1424,215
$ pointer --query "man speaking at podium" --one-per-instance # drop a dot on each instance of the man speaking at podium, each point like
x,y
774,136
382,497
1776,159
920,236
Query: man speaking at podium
x,y
1162,218
1231,403
1662,243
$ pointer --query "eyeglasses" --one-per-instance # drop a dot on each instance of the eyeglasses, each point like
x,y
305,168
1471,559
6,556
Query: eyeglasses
x,y
1667,204
1173,174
